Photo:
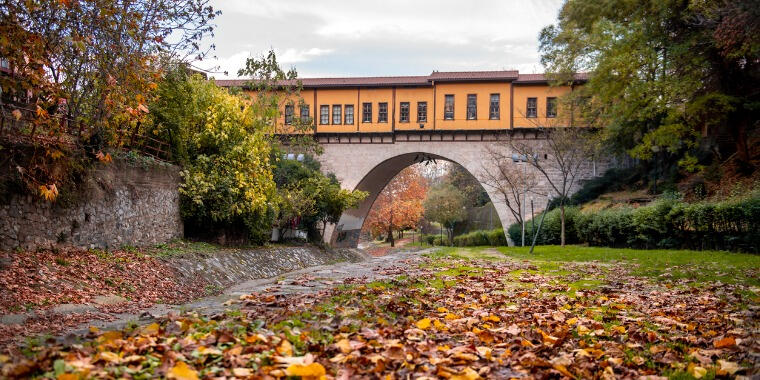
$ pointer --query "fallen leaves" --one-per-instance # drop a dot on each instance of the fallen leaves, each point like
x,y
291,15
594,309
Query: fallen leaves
x,y
411,327
182,371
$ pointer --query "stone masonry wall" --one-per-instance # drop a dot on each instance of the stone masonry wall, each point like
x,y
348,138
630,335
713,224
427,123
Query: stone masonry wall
x,y
120,204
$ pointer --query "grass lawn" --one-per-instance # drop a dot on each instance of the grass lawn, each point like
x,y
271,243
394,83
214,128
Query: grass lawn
x,y
659,264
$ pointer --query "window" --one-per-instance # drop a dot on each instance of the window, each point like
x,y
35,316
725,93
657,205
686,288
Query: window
x,y
349,116
404,113
337,110
493,107
324,114
551,107
289,114
448,107
305,113
472,107
366,112
532,108
421,112
382,112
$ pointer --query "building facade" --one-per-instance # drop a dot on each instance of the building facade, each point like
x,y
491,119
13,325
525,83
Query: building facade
x,y
441,101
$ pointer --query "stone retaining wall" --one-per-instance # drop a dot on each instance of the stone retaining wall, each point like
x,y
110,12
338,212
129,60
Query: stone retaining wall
x,y
222,269
120,204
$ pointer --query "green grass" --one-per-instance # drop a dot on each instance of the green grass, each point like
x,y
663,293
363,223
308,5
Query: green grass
x,y
660,264
180,247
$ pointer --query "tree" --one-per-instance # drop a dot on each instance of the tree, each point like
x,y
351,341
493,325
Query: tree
x,y
567,150
662,73
508,180
445,204
330,199
399,205
83,72
227,174
473,192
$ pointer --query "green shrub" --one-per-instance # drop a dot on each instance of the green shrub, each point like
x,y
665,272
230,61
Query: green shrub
x,y
666,223
493,237
550,230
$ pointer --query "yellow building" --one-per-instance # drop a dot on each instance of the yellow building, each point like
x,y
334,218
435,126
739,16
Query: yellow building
x,y
441,101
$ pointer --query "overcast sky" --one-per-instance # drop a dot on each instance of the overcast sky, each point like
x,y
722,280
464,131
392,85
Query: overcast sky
x,y
328,38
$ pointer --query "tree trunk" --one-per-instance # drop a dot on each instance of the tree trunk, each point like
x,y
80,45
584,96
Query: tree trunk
x,y
390,236
562,222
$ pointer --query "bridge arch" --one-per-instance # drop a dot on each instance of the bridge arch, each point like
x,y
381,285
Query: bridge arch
x,y
369,167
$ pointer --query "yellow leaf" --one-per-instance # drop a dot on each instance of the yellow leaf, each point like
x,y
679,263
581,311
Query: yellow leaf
x,y
310,371
151,329
619,329
466,374
442,310
109,336
423,324
16,114
109,357
697,371
571,321
563,370
285,348
241,372
450,316
727,367
181,371
438,325
68,376
4,358
344,345
94,329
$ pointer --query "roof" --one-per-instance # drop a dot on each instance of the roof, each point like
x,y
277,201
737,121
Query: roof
x,y
422,80
473,75
542,78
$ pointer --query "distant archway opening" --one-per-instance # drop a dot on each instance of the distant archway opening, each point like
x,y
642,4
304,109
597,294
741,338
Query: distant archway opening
x,y
347,231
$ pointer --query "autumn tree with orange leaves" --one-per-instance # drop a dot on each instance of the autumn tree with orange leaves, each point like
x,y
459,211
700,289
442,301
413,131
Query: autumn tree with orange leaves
x,y
76,78
399,205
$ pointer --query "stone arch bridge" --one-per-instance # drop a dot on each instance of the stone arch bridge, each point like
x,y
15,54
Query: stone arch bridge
x,y
368,162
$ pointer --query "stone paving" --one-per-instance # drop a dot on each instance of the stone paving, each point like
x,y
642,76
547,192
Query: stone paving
x,y
303,281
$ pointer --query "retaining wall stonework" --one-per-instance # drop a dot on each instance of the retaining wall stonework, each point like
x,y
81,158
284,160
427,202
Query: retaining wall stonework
x,y
222,269
120,204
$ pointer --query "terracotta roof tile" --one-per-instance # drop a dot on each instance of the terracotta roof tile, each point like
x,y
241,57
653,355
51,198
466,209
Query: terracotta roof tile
x,y
540,78
473,75
463,76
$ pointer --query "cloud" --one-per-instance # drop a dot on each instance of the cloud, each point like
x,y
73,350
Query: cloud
x,y
392,37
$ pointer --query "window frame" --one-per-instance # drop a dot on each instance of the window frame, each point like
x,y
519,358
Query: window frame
x,y
305,115
324,114
474,105
289,115
551,100
424,113
401,112
534,114
446,98
339,107
346,114
367,112
381,112
491,114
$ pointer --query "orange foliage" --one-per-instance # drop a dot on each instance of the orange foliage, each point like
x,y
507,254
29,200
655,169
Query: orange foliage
x,y
399,205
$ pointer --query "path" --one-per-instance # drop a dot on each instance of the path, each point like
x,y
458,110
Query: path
x,y
303,281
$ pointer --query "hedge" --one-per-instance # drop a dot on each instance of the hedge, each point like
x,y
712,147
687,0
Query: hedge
x,y
550,230
493,237
666,223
